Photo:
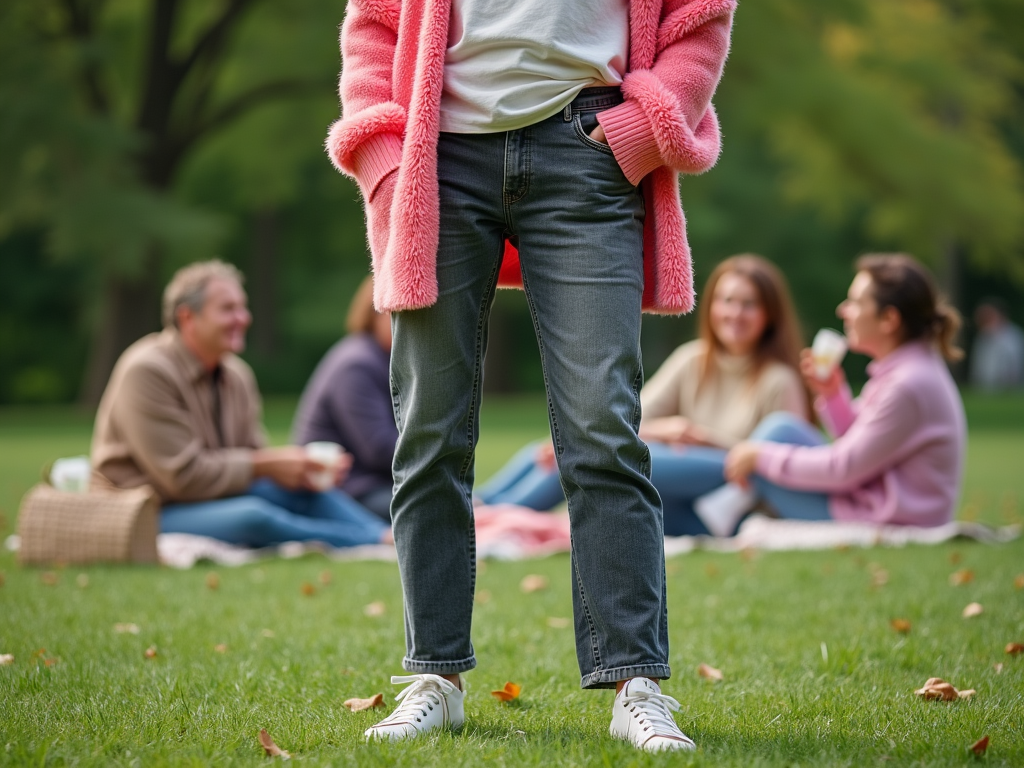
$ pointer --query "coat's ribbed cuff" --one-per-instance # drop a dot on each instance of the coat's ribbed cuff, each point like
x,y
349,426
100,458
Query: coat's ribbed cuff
x,y
631,137
375,159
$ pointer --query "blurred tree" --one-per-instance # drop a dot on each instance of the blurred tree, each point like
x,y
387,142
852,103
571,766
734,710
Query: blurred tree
x,y
139,134
102,105
861,125
889,111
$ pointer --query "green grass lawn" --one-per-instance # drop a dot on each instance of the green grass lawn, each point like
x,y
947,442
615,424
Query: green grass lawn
x,y
814,673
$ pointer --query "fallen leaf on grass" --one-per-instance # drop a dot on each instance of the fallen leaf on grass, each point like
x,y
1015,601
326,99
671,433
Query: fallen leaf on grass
x,y
40,655
557,622
6,659
1014,648
900,625
212,580
358,705
709,672
325,577
49,578
972,610
82,580
150,653
1019,581
509,692
127,628
879,576
533,583
376,608
937,689
980,745
221,647
961,577
270,747
955,557
308,589
483,596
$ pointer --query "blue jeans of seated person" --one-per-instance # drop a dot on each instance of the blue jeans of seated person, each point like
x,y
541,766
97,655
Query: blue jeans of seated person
x,y
679,474
269,514
682,475
524,482
789,503
578,223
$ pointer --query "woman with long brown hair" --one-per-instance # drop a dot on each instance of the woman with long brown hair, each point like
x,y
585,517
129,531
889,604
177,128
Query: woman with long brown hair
x,y
712,392
898,452
707,396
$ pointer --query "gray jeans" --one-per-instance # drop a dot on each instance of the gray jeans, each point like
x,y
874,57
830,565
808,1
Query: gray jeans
x,y
578,223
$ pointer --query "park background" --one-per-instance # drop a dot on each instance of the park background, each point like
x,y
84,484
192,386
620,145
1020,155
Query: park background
x,y
139,135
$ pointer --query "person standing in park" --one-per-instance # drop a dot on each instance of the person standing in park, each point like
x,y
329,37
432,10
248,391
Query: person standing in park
x,y
997,357
181,413
550,133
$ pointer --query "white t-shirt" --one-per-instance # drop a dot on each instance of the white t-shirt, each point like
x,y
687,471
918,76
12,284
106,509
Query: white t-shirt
x,y
513,64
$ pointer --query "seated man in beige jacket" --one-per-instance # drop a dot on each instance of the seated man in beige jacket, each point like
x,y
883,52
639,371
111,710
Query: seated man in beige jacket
x,y
181,413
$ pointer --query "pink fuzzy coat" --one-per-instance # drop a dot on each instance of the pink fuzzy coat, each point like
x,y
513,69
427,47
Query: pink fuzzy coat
x,y
393,66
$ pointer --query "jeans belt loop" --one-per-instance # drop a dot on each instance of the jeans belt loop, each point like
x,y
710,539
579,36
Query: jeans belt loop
x,y
567,113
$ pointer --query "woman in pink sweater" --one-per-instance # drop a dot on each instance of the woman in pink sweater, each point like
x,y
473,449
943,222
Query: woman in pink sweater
x,y
535,143
898,452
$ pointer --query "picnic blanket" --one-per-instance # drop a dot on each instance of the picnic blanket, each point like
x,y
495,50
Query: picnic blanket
x,y
507,532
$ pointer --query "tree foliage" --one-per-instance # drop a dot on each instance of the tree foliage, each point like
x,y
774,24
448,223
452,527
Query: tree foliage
x,y
136,135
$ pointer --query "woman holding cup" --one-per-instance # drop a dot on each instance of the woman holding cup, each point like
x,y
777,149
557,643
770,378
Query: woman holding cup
x,y
898,452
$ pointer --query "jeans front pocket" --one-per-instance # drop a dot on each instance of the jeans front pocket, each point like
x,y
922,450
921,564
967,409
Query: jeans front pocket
x,y
583,131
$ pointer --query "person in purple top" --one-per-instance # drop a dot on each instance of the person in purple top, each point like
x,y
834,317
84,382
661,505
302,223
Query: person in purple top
x,y
348,401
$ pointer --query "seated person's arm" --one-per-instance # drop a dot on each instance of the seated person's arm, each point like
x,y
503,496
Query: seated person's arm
x,y
290,466
357,403
833,401
874,442
661,421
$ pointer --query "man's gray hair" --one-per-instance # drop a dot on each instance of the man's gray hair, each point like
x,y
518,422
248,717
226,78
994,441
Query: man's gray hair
x,y
188,287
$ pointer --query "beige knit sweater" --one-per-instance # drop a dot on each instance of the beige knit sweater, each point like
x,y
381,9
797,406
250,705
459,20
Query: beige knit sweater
x,y
730,404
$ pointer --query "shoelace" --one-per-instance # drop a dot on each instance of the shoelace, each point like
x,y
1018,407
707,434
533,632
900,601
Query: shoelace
x,y
656,709
423,694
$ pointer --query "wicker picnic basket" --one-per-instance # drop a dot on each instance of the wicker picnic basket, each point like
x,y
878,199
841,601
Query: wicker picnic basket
x,y
101,525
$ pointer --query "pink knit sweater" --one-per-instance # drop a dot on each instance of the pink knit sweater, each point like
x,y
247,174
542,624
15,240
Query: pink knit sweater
x,y
393,65
898,456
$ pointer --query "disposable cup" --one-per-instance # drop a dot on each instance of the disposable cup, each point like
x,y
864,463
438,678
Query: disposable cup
x,y
328,454
827,350
71,474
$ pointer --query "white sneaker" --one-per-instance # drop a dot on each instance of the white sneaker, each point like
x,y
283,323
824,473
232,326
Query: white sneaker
x,y
642,715
429,702
723,508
